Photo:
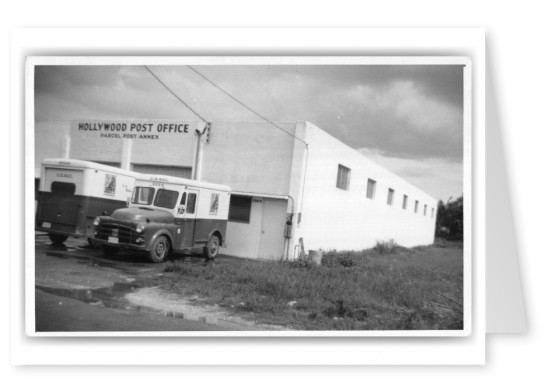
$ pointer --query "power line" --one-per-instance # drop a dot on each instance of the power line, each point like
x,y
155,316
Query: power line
x,y
244,105
174,94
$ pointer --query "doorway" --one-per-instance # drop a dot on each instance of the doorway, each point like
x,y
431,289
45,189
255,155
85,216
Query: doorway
x,y
272,242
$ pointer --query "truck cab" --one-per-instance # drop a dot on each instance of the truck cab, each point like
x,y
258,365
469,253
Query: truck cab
x,y
167,214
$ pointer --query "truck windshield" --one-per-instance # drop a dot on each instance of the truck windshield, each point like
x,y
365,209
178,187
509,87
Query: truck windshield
x,y
143,195
166,198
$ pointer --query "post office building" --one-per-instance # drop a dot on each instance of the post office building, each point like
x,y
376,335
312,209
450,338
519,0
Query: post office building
x,y
291,183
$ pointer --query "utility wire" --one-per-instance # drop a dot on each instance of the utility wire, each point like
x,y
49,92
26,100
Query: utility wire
x,y
174,94
244,105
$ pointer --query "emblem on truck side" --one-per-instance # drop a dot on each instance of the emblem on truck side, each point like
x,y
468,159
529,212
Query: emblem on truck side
x,y
110,184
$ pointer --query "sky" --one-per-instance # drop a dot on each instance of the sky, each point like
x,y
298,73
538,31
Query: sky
x,y
407,118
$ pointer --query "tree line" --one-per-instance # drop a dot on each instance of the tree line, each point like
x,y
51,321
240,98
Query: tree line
x,y
449,219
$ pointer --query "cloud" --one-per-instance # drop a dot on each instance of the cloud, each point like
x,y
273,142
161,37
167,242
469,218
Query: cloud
x,y
440,178
423,113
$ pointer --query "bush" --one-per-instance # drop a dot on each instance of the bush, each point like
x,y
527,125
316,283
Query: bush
x,y
301,264
336,258
386,247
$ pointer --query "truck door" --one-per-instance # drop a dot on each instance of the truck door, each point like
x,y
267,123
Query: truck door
x,y
187,219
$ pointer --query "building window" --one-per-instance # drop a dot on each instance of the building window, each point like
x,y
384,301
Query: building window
x,y
432,213
425,210
416,206
405,202
371,185
343,177
390,197
240,209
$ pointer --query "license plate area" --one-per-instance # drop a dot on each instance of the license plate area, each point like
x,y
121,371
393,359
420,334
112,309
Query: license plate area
x,y
46,224
112,239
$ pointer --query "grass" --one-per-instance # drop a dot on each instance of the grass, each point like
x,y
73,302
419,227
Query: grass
x,y
384,288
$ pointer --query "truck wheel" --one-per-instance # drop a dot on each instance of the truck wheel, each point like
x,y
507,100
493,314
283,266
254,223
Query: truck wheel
x,y
213,246
109,250
159,250
57,239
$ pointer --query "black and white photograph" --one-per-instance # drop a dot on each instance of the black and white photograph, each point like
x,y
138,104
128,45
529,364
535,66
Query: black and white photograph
x,y
250,196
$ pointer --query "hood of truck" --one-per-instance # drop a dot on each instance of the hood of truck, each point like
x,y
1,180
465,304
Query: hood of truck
x,y
143,215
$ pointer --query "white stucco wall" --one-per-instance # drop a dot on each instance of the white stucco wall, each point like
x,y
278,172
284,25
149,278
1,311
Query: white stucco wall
x,y
250,157
50,141
333,218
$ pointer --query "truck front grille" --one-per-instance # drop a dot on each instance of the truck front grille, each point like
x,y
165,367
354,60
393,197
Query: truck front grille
x,y
123,231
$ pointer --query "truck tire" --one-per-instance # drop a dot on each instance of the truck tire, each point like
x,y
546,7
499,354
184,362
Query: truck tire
x,y
211,249
57,239
159,250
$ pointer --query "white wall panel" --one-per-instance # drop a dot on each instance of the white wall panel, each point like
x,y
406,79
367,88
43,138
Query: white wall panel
x,y
333,218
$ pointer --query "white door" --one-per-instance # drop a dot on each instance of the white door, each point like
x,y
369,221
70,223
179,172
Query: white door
x,y
272,242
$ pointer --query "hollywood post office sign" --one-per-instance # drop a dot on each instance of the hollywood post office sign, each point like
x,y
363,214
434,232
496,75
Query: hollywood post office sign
x,y
137,130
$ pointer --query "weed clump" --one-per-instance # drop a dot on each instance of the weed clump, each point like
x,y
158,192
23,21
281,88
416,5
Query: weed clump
x,y
336,258
386,247
301,264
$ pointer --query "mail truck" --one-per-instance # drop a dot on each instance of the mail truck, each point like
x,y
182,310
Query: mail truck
x,y
72,193
167,214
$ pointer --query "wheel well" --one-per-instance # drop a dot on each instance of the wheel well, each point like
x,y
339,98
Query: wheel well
x,y
218,235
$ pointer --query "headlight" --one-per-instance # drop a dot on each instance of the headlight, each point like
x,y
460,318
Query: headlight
x,y
140,228
96,221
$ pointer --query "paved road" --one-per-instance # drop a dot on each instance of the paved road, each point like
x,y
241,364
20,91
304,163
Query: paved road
x,y
78,289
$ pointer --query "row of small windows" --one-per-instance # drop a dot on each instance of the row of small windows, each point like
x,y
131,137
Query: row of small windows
x,y
343,182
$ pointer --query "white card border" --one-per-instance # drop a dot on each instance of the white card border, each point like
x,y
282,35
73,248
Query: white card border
x,y
26,42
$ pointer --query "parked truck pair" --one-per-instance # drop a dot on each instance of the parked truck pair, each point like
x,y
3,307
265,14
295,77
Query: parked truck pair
x,y
123,210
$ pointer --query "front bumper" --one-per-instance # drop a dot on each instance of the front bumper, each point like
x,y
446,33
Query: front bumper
x,y
124,246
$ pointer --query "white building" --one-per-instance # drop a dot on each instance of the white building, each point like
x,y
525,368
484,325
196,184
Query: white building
x,y
332,196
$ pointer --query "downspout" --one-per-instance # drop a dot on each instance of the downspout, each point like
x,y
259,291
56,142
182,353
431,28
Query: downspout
x,y
303,185
289,225
299,213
